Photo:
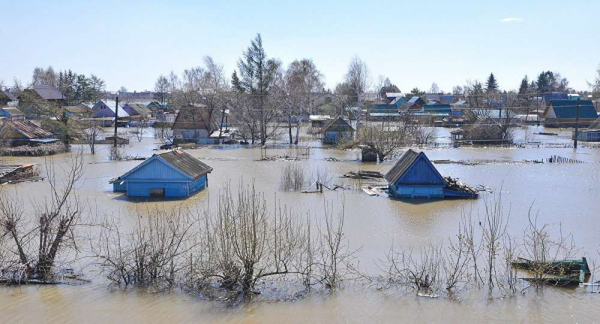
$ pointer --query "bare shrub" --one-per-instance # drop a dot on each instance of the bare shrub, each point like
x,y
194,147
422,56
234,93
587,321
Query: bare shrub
x,y
293,177
540,249
334,258
151,253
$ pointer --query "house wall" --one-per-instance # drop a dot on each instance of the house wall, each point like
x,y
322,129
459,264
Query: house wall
x,y
171,189
198,184
336,137
101,110
417,191
190,134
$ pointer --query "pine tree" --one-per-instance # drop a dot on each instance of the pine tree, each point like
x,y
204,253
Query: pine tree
x,y
235,81
491,84
524,88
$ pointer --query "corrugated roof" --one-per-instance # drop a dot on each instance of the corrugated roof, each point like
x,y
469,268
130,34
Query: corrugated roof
x,y
186,163
24,127
401,166
48,92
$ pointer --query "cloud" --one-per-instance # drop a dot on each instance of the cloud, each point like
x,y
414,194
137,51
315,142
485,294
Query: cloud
x,y
511,20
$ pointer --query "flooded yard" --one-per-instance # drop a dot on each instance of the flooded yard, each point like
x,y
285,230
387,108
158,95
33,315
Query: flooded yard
x,y
564,195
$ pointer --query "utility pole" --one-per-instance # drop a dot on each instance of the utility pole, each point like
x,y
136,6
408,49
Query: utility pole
x,y
116,119
577,123
221,126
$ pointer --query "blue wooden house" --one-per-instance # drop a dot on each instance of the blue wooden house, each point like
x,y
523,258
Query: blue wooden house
x,y
563,113
173,174
414,176
337,130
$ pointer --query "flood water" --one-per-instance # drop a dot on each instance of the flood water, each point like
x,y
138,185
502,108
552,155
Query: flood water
x,y
565,195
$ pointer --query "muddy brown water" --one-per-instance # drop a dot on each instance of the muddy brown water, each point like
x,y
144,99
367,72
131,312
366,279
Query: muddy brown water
x,y
563,194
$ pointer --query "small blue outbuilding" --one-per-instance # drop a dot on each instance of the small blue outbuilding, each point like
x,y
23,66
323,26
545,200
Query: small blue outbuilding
x,y
414,176
174,174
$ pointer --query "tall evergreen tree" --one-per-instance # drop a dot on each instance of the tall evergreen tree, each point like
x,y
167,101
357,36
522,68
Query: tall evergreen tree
x,y
491,85
257,76
524,88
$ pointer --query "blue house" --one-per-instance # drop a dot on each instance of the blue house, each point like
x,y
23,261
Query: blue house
x,y
173,174
336,131
414,176
563,113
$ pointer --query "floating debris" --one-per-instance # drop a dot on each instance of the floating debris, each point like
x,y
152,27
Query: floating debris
x,y
370,175
375,190
455,185
16,173
279,158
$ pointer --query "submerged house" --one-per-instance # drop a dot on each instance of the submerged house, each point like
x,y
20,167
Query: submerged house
x,y
414,176
24,132
174,174
107,108
137,110
336,131
563,113
194,124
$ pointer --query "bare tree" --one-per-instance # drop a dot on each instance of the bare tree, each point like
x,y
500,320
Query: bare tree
x,y
161,89
358,80
301,80
35,248
92,133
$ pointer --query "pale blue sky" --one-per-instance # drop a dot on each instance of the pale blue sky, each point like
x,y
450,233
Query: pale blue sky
x,y
414,43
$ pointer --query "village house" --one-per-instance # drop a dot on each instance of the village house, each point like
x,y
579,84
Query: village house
x,y
337,130
24,132
12,113
193,125
174,174
104,112
414,176
486,130
40,100
107,108
137,110
563,113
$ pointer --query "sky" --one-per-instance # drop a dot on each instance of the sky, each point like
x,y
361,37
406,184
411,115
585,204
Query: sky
x,y
413,43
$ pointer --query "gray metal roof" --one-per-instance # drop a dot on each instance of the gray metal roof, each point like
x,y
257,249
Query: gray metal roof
x,y
401,166
186,163
48,92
